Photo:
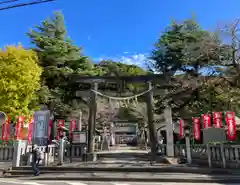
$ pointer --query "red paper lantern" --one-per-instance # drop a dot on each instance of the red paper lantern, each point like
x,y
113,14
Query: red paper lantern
x,y
73,126
30,130
197,128
217,119
50,128
19,126
206,120
8,129
60,123
181,128
231,124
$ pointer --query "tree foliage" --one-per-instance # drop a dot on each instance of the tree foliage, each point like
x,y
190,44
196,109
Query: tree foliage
x,y
115,68
191,55
205,68
120,69
59,58
19,80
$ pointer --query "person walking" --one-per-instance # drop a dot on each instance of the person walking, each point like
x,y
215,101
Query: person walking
x,y
36,158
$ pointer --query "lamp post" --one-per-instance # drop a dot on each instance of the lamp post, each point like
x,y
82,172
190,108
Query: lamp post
x,y
188,146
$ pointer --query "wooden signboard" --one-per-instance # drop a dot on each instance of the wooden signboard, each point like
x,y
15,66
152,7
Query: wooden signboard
x,y
79,137
214,135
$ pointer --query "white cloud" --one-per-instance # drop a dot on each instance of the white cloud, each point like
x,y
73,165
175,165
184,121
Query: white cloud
x,y
136,59
139,59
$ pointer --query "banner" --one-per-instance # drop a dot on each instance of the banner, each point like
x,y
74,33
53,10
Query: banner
x,y
181,128
50,128
30,130
217,119
19,126
197,128
206,120
7,129
60,123
72,127
231,124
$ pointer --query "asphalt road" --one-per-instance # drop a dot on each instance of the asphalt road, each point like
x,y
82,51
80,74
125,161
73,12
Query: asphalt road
x,y
21,182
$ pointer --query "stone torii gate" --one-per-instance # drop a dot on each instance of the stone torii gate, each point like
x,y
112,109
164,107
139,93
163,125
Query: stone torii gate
x,y
120,82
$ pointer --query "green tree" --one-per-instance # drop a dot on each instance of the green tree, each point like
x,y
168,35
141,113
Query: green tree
x,y
186,49
60,58
180,49
229,72
118,69
19,80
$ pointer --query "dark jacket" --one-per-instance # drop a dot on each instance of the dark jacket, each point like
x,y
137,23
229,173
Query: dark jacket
x,y
35,155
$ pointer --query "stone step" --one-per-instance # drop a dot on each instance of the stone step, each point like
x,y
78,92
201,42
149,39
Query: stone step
x,y
136,178
143,169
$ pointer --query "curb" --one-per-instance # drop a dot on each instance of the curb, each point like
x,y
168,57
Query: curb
x,y
163,169
178,180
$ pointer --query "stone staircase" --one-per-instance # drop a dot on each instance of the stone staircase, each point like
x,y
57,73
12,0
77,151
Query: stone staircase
x,y
123,153
128,154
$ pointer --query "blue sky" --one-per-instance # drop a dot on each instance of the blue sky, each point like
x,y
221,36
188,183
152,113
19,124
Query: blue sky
x,y
119,29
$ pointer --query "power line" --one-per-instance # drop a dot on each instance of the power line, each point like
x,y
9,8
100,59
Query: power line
x,y
23,4
9,1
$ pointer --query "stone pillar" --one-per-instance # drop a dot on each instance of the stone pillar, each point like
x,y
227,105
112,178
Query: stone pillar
x,y
61,151
169,131
188,149
222,155
79,127
45,160
91,123
18,147
112,134
151,125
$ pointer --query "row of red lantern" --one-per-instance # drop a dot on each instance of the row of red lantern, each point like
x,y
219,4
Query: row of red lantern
x,y
72,127
6,130
60,123
217,121
19,134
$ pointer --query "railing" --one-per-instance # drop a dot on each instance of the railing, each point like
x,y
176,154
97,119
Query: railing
x,y
213,155
223,155
6,153
49,154
75,151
